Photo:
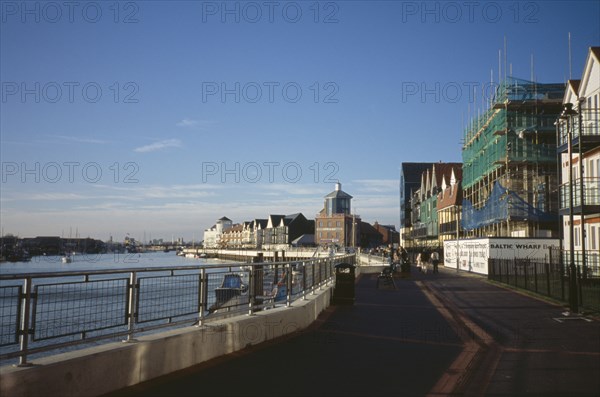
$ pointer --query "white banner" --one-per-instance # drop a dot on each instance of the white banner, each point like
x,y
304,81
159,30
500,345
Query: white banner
x,y
474,253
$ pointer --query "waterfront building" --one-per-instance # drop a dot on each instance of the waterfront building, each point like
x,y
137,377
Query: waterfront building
x,y
410,181
282,230
510,164
424,203
231,237
449,205
370,236
389,234
212,235
335,224
579,150
256,232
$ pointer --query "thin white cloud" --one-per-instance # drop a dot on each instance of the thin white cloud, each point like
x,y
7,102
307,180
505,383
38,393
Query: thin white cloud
x,y
195,124
153,147
187,123
77,139
11,197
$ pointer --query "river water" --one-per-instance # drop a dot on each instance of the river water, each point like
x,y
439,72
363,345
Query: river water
x,y
82,308
113,261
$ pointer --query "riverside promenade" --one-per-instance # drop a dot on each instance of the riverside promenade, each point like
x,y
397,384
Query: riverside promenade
x,y
433,334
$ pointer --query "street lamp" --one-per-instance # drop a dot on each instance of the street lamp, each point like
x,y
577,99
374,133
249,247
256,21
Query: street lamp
x,y
457,237
567,115
580,101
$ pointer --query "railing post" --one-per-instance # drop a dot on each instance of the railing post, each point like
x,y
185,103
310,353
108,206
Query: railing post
x,y
312,270
304,281
579,286
562,281
535,274
132,287
24,331
288,298
525,267
201,297
547,270
498,270
251,291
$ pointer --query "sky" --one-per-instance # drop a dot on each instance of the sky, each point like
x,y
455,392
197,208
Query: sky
x,y
156,118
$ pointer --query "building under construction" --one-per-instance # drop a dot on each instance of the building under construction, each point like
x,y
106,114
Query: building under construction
x,y
510,169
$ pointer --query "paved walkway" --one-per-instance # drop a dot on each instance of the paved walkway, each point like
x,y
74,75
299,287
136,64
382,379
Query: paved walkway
x,y
434,334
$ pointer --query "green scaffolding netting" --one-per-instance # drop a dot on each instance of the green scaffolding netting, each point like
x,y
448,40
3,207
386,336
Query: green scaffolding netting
x,y
503,134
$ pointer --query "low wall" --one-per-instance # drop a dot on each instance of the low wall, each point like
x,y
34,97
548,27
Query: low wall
x,y
102,369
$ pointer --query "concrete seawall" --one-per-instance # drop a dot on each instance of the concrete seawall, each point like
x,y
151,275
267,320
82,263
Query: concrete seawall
x,y
98,370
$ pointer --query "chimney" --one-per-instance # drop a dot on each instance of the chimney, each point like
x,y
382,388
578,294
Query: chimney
x,y
338,186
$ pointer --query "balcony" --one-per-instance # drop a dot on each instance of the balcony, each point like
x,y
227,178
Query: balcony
x,y
419,231
591,196
587,128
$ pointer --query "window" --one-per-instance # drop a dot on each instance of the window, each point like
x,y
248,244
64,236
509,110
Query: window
x,y
593,240
338,224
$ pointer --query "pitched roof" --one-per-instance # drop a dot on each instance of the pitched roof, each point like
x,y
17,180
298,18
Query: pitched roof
x,y
575,84
596,52
305,239
292,217
444,170
262,223
440,170
274,220
366,228
235,228
451,196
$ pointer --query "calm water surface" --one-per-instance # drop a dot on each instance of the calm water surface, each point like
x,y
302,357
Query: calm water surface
x,y
113,261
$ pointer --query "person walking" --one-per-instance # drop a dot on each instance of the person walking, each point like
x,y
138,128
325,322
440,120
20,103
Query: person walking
x,y
435,260
404,254
419,262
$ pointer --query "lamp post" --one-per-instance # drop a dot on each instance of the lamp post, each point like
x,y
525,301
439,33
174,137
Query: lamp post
x,y
567,115
457,237
581,100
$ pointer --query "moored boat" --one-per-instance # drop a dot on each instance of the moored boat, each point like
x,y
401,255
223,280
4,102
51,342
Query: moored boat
x,y
230,292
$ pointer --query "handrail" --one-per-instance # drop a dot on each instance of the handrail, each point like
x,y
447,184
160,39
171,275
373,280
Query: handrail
x,y
55,310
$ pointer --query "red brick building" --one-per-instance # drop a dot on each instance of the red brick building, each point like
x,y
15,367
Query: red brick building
x,y
335,224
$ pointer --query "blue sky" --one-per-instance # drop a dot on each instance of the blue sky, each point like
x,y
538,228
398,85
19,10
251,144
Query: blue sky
x,y
157,118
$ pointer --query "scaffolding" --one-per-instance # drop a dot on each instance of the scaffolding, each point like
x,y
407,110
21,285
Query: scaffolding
x,y
510,163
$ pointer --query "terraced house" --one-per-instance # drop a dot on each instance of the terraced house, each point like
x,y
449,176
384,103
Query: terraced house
x,y
424,213
579,150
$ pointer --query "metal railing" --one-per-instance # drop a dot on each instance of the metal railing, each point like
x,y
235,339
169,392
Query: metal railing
x,y
40,312
591,192
549,278
587,125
